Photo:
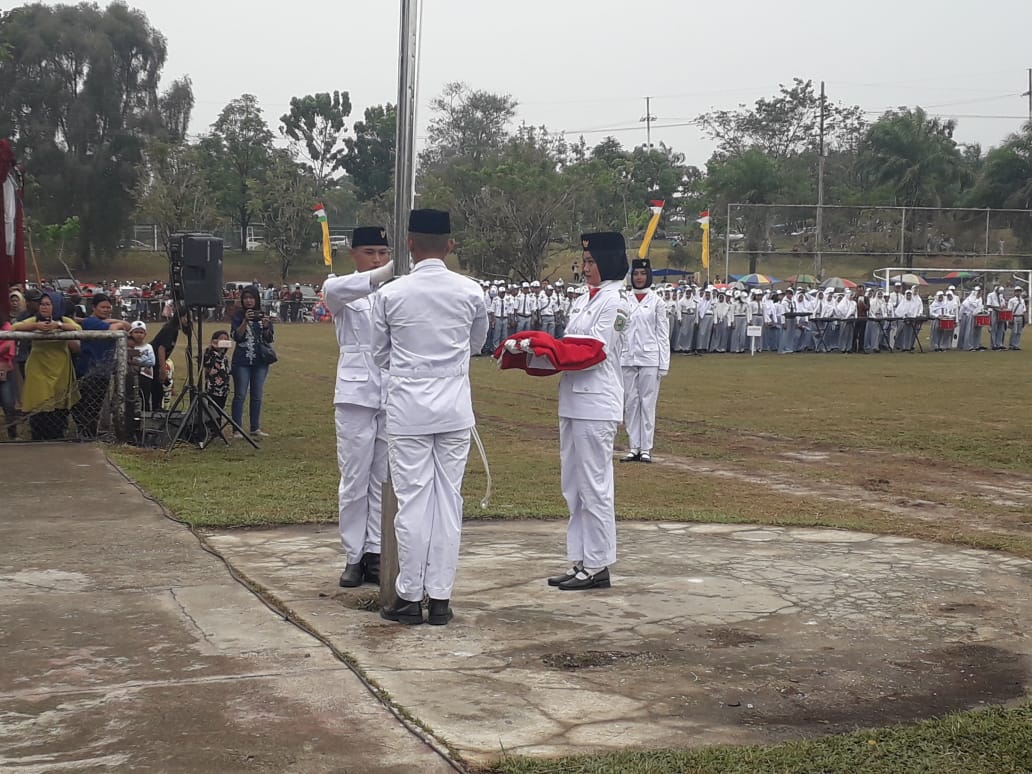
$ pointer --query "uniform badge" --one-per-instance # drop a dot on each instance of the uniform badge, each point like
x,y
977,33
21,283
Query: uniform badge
x,y
621,321
383,233
584,243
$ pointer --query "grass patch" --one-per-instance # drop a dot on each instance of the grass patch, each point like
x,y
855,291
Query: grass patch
x,y
992,741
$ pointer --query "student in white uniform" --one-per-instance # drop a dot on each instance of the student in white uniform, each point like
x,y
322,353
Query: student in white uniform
x,y
358,406
590,408
426,326
1019,314
645,360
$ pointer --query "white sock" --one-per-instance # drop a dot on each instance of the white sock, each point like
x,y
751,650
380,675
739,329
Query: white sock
x,y
592,570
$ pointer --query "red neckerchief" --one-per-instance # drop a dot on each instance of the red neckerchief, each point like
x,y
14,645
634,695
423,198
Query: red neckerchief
x,y
640,296
592,292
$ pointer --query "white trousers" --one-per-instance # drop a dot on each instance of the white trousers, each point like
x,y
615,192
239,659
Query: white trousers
x,y
427,472
586,465
641,391
362,459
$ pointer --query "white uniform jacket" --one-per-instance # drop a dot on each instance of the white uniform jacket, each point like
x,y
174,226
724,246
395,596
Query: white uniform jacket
x,y
597,392
426,324
359,381
646,340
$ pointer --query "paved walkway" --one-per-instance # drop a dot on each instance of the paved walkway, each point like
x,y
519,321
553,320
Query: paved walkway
x,y
127,647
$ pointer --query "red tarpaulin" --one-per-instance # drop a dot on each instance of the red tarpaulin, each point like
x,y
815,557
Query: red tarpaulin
x,y
12,236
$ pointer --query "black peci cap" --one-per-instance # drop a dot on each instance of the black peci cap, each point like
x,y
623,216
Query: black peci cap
x,y
429,222
603,240
642,263
365,236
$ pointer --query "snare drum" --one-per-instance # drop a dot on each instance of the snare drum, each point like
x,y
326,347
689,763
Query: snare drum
x,y
947,324
1005,315
982,320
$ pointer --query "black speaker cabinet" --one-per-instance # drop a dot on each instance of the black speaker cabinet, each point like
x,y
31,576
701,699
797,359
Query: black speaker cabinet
x,y
200,256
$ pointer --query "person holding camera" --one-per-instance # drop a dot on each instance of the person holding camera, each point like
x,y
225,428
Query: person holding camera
x,y
253,333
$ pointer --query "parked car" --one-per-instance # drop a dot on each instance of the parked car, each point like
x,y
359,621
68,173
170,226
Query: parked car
x,y
339,243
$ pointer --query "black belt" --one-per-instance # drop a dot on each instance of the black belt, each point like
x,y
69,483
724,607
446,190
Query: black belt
x,y
523,315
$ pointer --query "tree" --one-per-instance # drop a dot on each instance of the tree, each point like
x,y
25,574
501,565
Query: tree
x,y
467,123
283,199
370,158
176,106
239,150
916,160
750,178
1006,181
785,125
78,95
176,195
316,123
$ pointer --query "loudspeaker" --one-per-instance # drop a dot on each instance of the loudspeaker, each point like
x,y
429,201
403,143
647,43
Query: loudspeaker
x,y
200,258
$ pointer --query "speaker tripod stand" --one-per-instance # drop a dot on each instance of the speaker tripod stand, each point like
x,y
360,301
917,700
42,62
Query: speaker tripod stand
x,y
204,419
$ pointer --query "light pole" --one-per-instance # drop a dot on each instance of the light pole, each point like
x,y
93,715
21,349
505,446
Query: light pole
x,y
648,118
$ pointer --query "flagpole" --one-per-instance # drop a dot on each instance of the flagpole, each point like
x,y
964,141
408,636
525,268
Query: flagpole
x,y
404,178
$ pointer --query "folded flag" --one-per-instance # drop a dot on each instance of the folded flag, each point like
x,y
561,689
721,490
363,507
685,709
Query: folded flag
x,y
539,354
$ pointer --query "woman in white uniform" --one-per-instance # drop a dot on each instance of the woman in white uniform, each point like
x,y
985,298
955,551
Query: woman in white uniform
x,y
590,408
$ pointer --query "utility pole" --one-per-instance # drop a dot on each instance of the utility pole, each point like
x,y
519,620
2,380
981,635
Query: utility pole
x,y
817,259
648,118
1029,94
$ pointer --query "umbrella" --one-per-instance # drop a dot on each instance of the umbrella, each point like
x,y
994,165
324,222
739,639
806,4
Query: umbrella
x,y
910,279
803,279
838,283
757,279
959,275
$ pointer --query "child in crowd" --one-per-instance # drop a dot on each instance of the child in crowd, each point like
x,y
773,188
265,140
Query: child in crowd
x,y
141,361
216,367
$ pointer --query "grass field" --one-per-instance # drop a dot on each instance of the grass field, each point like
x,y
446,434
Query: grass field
x,y
934,446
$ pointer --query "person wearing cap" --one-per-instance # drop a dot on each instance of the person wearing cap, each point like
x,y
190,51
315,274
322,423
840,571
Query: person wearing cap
x,y
426,326
994,302
95,366
548,308
644,360
591,404
358,410
141,364
526,308
495,319
1019,315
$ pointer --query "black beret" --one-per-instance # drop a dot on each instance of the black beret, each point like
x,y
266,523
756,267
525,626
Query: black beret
x,y
429,222
609,251
369,235
641,263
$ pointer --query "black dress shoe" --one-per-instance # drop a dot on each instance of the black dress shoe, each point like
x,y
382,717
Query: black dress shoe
x,y
351,577
582,581
403,611
438,612
371,568
555,580
632,457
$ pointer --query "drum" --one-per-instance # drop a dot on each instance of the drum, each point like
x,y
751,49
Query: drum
x,y
1005,315
947,324
982,320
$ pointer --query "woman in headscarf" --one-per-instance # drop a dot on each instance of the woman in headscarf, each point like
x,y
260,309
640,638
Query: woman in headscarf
x,y
251,331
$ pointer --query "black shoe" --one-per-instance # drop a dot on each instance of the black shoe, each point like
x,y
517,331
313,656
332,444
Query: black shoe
x,y
371,568
555,580
582,581
438,612
634,456
403,611
645,457
351,577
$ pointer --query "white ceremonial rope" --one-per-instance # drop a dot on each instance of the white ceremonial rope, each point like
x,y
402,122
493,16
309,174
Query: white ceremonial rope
x,y
487,468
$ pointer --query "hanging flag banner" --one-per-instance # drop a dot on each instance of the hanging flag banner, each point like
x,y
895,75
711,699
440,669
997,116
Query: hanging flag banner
x,y
320,213
656,206
703,219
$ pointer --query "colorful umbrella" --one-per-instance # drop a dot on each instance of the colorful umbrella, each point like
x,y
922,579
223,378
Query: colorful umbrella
x,y
838,283
910,279
803,279
321,313
758,279
959,275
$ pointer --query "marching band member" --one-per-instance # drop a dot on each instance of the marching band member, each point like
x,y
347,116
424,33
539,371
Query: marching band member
x,y
935,312
951,311
994,302
877,312
358,406
426,325
909,308
970,334
1019,314
645,360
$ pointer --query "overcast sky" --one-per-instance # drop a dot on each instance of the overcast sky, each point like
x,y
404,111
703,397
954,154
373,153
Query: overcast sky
x,y
585,66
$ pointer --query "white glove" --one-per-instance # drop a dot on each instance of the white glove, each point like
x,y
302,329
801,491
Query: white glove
x,y
513,346
662,373
381,275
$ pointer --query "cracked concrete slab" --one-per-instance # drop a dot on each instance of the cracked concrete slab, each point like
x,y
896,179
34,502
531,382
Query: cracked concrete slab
x,y
128,647
711,634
